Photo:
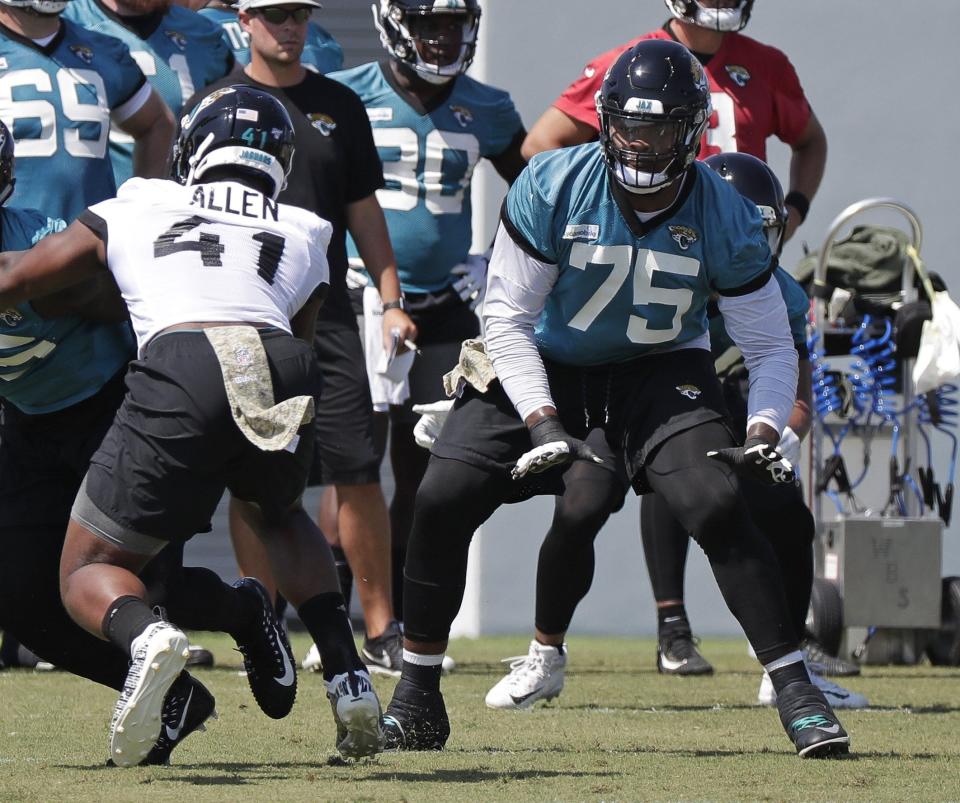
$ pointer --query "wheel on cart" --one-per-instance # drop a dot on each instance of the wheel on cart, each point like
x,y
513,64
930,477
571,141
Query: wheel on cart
x,y
825,615
944,648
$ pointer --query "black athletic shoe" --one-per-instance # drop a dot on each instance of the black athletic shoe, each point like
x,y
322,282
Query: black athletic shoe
x,y
810,722
415,720
267,657
186,707
823,663
383,655
677,655
199,657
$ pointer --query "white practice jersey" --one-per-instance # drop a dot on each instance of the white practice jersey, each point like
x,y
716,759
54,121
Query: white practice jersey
x,y
209,252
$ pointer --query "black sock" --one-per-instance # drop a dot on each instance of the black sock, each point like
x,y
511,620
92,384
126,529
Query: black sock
x,y
325,617
200,600
672,619
126,619
425,678
344,575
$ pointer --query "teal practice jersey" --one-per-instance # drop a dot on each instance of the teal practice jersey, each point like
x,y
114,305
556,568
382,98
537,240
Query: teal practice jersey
x,y
625,288
321,52
180,54
50,364
57,100
429,155
798,307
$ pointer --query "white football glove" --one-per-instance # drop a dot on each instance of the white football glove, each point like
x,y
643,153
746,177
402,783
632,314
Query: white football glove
x,y
552,446
471,280
758,460
431,421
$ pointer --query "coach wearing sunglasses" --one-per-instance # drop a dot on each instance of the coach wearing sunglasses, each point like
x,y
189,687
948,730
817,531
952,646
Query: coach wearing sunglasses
x,y
336,173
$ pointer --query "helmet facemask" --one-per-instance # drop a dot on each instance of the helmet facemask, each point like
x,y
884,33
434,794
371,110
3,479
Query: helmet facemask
x,y
41,8
436,43
647,150
712,15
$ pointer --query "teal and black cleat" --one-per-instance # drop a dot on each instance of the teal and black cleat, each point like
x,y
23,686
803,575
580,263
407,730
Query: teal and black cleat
x,y
810,722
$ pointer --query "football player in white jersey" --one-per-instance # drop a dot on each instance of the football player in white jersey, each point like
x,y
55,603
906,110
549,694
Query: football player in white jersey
x,y
218,277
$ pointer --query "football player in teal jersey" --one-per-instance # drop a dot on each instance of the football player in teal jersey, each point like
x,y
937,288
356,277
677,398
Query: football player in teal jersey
x,y
178,51
321,52
61,382
61,86
595,322
432,124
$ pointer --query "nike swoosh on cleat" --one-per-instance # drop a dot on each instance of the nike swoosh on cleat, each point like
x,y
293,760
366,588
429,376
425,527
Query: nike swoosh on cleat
x,y
524,697
669,663
831,729
289,674
174,733
383,659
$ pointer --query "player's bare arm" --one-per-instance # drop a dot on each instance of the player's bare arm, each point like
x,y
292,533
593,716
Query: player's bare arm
x,y
55,263
511,162
97,299
806,169
556,129
368,227
152,127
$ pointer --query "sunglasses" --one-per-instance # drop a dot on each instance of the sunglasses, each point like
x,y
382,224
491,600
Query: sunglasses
x,y
278,16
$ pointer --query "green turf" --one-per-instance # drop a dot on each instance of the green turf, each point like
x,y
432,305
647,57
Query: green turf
x,y
618,732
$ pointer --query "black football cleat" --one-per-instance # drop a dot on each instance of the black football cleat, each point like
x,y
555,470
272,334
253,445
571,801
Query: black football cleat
x,y
810,722
415,719
187,706
267,657
677,654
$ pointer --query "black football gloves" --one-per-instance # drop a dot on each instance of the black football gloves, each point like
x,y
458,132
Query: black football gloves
x,y
552,446
757,459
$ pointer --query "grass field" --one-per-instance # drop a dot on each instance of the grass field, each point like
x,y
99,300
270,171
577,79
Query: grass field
x,y
618,732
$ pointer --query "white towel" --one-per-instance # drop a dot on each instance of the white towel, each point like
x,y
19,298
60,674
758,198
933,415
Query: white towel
x,y
388,378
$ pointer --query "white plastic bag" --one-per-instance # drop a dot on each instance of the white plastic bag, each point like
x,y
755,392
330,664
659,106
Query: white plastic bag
x,y
938,359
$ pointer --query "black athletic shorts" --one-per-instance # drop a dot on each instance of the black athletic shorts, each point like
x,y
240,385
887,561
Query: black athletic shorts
x,y
443,322
174,446
625,411
349,443
43,457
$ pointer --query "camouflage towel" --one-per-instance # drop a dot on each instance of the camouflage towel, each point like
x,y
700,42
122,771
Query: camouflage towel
x,y
473,368
246,378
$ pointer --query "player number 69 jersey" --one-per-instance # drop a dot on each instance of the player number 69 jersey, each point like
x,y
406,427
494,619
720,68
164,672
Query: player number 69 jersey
x,y
209,252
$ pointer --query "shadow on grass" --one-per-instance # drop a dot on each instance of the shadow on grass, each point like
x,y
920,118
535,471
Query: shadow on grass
x,y
669,708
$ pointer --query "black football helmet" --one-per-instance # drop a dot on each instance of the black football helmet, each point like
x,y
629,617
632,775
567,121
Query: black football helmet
x,y
710,16
237,127
409,33
7,180
653,105
44,7
756,182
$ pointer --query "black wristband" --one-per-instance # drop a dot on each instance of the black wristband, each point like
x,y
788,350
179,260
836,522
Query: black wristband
x,y
398,303
798,201
547,430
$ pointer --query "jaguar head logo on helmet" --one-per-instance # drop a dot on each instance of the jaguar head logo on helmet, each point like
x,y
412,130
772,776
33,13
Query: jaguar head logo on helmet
x,y
717,15
756,182
237,131
435,38
653,105
47,8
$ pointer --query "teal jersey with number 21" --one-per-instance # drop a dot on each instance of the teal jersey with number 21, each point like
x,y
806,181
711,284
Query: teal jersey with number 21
x,y
627,288
429,155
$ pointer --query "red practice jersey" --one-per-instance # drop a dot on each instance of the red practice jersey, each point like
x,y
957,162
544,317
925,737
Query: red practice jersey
x,y
753,87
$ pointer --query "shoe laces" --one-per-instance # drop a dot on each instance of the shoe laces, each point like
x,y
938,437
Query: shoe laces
x,y
681,644
530,666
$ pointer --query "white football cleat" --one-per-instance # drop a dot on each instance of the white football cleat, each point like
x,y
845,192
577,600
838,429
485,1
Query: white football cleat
x,y
159,655
356,710
312,662
538,675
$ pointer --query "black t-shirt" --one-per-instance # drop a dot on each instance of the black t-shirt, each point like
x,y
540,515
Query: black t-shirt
x,y
335,163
